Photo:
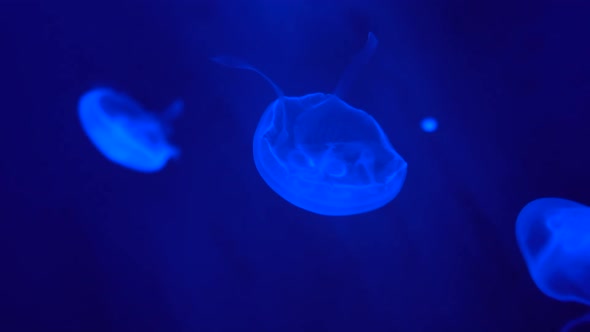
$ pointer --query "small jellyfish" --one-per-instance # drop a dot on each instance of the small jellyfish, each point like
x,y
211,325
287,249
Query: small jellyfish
x,y
125,133
321,154
429,124
554,237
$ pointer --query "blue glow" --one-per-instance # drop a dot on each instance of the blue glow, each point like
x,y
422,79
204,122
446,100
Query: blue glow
x,y
125,133
429,125
323,155
584,320
554,237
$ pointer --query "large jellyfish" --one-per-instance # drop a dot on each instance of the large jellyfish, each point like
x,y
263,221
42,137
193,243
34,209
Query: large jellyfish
x,y
125,133
554,237
323,155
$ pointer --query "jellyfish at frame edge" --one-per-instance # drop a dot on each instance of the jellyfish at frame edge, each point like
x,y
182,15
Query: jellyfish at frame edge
x,y
127,134
321,154
553,235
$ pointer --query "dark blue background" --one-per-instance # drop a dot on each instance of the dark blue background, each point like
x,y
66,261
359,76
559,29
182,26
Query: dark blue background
x,y
205,245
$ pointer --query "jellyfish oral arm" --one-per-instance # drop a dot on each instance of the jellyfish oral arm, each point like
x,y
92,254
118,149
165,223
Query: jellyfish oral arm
x,y
174,110
361,59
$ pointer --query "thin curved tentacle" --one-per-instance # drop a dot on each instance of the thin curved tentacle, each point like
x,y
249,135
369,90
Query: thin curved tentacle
x,y
234,62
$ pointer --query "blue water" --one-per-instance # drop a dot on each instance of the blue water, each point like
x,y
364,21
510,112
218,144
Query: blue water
x,y
205,245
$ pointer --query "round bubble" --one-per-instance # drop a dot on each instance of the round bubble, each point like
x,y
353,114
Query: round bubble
x,y
429,124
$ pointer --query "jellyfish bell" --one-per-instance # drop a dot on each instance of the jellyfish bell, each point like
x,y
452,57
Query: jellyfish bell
x,y
345,163
553,235
125,133
320,153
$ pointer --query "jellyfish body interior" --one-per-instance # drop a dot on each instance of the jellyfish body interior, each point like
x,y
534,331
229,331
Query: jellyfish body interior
x,y
553,235
321,154
127,134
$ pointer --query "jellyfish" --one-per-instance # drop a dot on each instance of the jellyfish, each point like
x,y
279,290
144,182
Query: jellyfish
x,y
125,133
429,124
554,237
321,154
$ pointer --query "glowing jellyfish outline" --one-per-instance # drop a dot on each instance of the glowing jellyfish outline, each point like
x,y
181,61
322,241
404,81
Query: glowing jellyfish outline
x,y
585,319
125,133
312,180
541,228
